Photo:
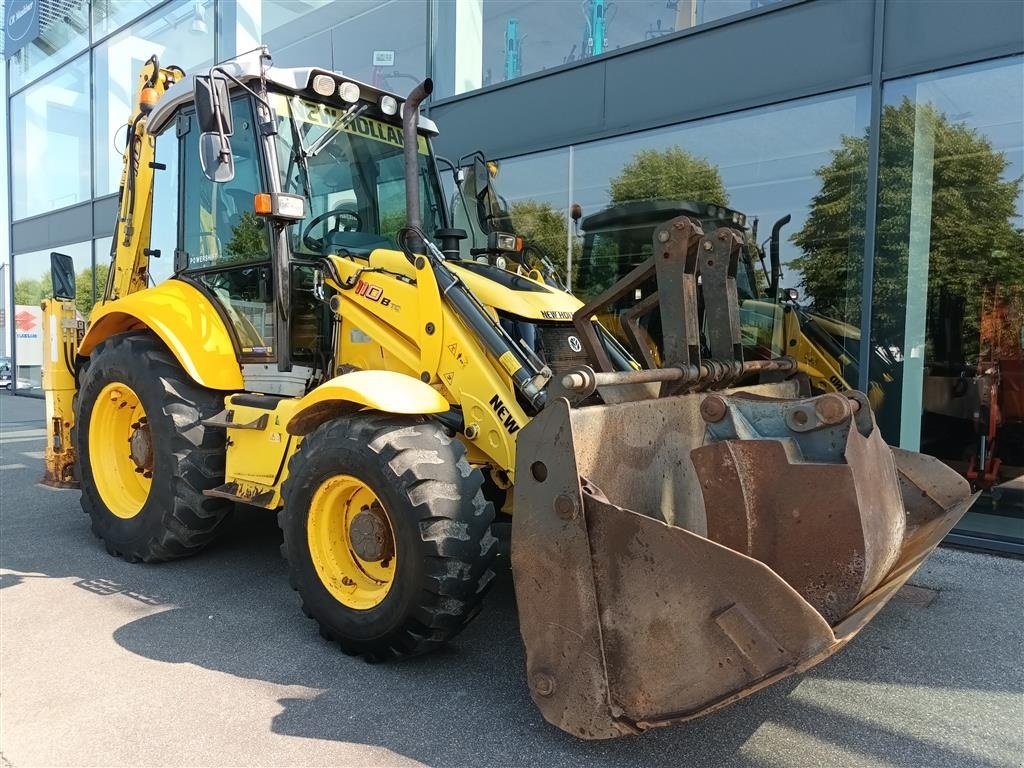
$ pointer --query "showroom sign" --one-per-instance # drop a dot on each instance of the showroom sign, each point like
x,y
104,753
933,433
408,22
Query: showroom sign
x,y
21,25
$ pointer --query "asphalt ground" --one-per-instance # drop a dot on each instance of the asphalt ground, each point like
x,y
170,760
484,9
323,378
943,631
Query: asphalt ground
x,y
209,661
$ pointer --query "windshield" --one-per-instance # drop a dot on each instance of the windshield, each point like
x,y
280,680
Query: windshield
x,y
609,255
351,171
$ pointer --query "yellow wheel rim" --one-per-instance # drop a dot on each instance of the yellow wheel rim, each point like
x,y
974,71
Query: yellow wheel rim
x,y
351,542
121,450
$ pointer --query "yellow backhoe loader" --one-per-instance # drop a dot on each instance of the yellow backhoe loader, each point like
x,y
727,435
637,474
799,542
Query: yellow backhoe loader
x,y
681,535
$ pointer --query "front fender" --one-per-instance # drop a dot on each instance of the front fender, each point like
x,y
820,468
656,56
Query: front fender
x,y
385,391
185,321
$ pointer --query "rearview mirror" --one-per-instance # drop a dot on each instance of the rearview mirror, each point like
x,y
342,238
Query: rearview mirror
x,y
62,275
215,157
213,113
213,105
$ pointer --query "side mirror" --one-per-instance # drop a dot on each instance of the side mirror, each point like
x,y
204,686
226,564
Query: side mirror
x,y
213,113
213,104
62,275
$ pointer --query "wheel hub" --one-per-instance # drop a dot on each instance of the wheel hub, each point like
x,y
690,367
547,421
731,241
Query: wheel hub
x,y
370,534
140,446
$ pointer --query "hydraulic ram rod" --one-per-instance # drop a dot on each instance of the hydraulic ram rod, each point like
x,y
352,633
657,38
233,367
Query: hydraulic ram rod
x,y
709,370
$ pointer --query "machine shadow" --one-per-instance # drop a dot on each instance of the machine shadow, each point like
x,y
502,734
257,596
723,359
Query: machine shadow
x,y
230,610
469,703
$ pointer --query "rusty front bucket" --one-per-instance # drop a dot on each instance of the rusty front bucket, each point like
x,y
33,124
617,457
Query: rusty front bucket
x,y
673,555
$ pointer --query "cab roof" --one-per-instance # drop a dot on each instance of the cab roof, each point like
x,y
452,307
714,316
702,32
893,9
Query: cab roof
x,y
251,66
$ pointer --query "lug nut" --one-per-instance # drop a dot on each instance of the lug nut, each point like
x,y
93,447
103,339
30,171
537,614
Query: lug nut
x,y
713,409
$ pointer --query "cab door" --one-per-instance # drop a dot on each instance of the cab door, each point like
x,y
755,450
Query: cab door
x,y
224,246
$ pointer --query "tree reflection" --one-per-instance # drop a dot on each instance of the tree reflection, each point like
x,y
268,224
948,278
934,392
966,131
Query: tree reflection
x,y
973,245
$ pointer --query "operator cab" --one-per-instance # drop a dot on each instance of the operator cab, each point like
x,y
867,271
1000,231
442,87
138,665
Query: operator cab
x,y
296,164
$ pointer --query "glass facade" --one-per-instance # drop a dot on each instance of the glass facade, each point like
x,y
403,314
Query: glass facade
x,y
32,285
63,33
50,141
110,15
949,277
383,43
176,34
483,42
946,319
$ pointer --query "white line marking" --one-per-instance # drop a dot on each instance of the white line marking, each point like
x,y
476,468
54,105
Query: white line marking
x,y
11,466
21,440
34,454
24,433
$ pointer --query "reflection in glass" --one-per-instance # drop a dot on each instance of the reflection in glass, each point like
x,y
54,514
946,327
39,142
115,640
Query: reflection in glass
x,y
480,44
63,32
110,15
746,172
173,35
949,278
50,141
32,284
533,189
381,43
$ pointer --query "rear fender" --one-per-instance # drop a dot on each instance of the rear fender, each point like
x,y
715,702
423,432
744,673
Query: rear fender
x,y
184,319
385,391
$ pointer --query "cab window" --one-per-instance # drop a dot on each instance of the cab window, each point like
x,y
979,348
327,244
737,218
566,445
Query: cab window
x,y
225,244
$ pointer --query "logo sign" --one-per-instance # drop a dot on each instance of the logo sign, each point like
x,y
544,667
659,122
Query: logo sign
x,y
21,25
383,58
28,334
25,321
574,344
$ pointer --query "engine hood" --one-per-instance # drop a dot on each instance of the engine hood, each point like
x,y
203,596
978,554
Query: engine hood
x,y
517,295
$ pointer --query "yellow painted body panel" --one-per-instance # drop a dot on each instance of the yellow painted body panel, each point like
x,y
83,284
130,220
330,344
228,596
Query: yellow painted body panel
x,y
529,304
257,459
185,321
60,345
385,391
389,332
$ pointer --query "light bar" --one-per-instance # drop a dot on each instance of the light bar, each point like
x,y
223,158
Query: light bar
x,y
323,85
349,92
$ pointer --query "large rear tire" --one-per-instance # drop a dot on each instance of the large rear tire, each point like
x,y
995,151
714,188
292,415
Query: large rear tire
x,y
144,457
387,534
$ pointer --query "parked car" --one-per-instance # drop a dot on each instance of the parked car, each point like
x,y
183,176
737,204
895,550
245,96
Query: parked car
x,y
8,382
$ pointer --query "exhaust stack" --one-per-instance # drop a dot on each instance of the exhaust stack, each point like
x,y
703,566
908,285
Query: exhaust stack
x,y
410,120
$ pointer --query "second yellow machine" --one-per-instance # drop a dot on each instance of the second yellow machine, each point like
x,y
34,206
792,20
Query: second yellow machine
x,y
279,329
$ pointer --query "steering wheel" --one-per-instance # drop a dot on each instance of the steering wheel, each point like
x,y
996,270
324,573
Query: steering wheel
x,y
316,245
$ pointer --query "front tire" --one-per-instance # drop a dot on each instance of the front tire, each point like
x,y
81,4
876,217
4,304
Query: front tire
x,y
387,534
144,457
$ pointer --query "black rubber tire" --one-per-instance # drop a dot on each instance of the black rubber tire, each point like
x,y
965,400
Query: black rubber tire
x,y
176,520
437,511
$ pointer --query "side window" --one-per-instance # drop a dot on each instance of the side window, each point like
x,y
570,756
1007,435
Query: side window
x,y
163,235
221,227
227,246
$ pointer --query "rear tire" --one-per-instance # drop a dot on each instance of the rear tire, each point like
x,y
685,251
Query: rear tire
x,y
439,526
186,458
